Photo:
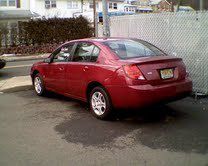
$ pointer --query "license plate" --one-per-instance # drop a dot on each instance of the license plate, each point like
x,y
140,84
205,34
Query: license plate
x,y
166,73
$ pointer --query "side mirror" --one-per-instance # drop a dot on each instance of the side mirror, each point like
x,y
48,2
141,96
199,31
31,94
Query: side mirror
x,y
47,60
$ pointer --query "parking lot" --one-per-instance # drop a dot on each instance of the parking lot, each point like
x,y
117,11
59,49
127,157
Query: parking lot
x,y
55,130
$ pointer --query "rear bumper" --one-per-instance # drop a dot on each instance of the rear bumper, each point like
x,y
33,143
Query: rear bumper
x,y
144,95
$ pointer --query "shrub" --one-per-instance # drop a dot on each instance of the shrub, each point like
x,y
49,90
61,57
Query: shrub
x,y
53,30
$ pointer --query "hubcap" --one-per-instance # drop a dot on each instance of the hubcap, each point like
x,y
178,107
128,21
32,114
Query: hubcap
x,y
38,85
98,103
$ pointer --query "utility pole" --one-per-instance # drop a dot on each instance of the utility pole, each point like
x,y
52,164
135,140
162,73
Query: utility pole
x,y
172,6
82,2
95,18
106,29
201,4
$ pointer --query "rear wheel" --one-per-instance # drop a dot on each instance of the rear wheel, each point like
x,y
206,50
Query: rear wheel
x,y
100,104
39,85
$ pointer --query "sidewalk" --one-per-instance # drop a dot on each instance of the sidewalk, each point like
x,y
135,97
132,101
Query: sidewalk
x,y
16,84
11,58
21,82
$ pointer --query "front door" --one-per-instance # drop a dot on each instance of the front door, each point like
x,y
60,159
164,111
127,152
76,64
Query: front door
x,y
56,70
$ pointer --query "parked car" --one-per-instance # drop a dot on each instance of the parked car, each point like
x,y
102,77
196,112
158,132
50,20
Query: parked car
x,y
112,73
2,63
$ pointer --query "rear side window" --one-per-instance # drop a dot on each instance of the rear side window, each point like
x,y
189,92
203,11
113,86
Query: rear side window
x,y
86,52
126,49
95,53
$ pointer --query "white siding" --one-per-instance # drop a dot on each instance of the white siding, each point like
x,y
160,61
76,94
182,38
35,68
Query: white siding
x,y
24,5
61,9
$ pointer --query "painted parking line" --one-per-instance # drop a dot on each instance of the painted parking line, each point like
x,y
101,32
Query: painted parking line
x,y
10,67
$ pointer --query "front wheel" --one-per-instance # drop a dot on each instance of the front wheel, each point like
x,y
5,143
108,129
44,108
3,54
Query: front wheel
x,y
100,104
39,85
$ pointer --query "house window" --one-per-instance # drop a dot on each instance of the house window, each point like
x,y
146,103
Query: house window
x,y
113,5
7,2
72,5
50,4
91,5
110,5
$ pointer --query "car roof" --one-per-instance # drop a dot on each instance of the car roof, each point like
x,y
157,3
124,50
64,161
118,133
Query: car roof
x,y
104,39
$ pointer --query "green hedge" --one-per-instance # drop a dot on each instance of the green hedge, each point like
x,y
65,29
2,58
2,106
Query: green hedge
x,y
0,37
53,30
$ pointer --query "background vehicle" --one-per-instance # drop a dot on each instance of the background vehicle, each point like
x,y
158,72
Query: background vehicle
x,y
2,63
112,73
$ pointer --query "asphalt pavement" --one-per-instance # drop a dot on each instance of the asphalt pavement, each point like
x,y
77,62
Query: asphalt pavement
x,y
55,130
16,68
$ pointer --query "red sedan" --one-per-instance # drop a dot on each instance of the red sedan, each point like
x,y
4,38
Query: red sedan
x,y
112,73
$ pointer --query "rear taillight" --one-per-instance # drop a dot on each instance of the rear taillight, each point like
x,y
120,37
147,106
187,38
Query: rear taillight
x,y
133,72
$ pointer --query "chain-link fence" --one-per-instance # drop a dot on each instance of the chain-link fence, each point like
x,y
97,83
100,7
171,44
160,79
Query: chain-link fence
x,y
181,34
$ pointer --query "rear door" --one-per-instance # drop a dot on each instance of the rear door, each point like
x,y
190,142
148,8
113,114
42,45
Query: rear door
x,y
84,58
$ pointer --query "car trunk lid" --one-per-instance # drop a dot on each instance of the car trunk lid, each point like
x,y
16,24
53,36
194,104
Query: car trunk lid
x,y
160,69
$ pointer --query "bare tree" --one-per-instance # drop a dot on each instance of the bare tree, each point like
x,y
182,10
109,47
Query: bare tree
x,y
178,3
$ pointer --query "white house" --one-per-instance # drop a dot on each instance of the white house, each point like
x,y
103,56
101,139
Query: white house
x,y
12,11
15,9
114,7
14,5
70,8
55,8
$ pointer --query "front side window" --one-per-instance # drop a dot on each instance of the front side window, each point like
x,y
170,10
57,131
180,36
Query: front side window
x,y
126,49
8,3
86,52
63,54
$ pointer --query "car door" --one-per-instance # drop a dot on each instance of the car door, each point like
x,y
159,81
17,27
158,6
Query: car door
x,y
84,58
55,76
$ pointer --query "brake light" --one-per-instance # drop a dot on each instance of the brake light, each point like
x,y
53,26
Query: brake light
x,y
133,72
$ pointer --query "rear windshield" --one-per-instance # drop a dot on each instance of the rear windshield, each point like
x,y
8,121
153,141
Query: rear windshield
x,y
126,49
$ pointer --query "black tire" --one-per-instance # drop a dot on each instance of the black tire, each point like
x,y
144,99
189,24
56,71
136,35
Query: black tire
x,y
42,90
2,63
107,112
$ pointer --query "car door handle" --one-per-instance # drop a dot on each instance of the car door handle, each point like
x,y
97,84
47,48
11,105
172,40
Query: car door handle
x,y
86,68
61,68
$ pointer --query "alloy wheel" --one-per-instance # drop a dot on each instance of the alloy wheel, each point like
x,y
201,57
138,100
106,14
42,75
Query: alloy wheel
x,y
38,85
98,103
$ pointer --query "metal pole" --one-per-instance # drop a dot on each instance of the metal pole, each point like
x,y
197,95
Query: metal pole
x,y
82,2
201,3
172,6
96,25
94,16
106,29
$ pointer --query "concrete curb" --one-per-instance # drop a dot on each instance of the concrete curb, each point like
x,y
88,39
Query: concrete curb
x,y
15,84
24,58
17,89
